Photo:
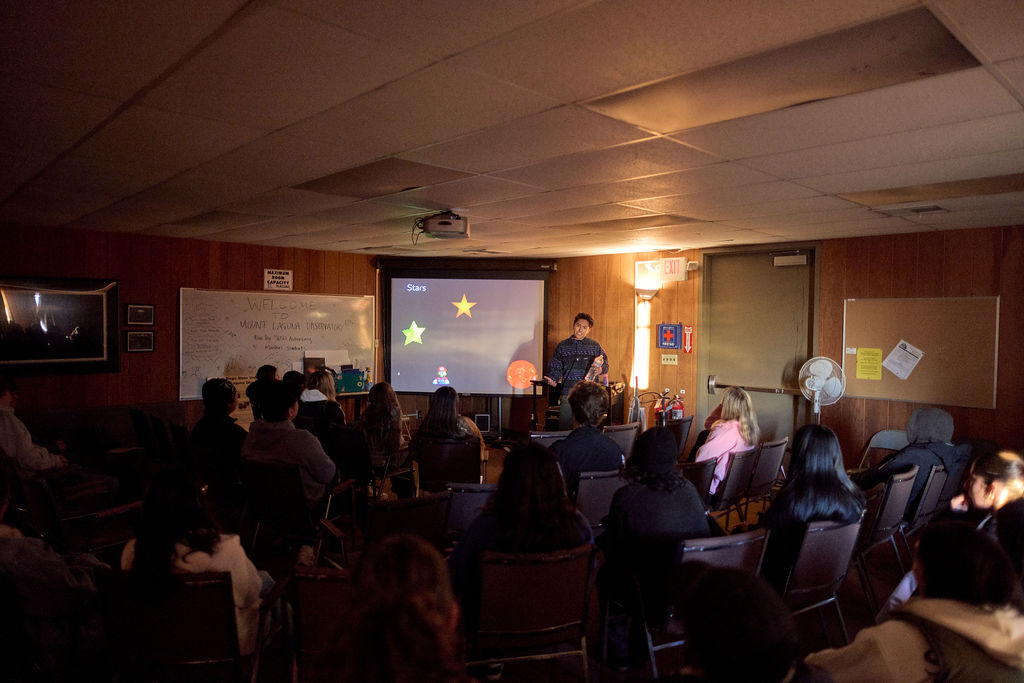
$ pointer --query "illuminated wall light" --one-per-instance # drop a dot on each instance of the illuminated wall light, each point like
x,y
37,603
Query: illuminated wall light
x,y
647,279
642,344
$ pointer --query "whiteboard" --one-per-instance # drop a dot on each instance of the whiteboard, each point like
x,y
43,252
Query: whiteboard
x,y
231,334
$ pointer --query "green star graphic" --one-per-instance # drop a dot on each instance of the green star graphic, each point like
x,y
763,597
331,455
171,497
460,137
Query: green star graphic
x,y
413,334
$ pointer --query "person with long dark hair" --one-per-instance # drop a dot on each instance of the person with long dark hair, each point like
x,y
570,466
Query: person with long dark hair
x,y
444,421
381,424
817,490
529,512
178,536
968,624
404,626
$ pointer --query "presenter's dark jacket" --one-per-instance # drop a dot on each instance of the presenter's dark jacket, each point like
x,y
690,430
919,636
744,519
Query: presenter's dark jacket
x,y
572,359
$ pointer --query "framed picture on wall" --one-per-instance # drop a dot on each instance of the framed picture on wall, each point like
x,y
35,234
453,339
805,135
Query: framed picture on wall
x,y
141,314
139,342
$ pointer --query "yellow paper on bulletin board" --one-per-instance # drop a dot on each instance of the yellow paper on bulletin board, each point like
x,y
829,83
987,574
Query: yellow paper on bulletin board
x,y
869,364
956,337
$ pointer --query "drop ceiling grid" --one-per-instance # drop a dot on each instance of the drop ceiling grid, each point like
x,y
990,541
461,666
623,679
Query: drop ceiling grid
x,y
960,96
943,170
965,138
307,65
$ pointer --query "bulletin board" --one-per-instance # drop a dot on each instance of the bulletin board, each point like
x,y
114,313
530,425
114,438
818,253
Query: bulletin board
x,y
934,350
230,334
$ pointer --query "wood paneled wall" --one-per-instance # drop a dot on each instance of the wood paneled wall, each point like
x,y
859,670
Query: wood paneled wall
x,y
981,262
603,287
151,270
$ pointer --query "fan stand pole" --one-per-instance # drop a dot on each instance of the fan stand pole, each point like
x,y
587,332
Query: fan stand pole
x,y
817,407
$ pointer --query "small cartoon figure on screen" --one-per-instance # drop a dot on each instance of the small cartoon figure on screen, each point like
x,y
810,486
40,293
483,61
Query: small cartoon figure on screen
x,y
442,376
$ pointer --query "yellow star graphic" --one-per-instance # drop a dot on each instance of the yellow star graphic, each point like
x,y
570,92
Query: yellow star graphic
x,y
463,306
413,334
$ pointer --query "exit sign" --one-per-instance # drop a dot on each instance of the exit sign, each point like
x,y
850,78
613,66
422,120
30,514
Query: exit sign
x,y
673,269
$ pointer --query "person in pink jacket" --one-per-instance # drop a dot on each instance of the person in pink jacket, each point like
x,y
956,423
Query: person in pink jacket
x,y
737,430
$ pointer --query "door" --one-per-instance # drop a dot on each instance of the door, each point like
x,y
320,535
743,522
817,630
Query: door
x,y
758,326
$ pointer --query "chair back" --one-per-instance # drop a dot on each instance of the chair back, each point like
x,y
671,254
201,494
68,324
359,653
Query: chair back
x,y
955,474
533,600
275,497
190,631
624,436
737,478
319,595
548,439
143,427
425,516
681,430
821,564
873,498
441,460
930,503
465,506
594,497
350,453
738,551
894,505
885,439
700,474
766,471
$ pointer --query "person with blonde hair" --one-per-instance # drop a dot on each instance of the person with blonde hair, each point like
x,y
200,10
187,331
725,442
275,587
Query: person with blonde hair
x,y
737,430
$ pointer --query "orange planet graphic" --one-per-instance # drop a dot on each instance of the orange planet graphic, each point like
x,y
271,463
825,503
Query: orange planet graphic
x,y
520,373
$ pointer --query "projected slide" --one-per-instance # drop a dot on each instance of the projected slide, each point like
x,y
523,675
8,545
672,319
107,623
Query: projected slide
x,y
479,336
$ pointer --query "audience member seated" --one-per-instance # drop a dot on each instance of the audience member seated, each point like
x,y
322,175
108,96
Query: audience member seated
x,y
16,444
817,490
929,433
254,392
648,516
737,629
216,441
586,449
275,439
319,408
53,605
992,503
702,436
529,512
297,378
178,536
404,626
737,430
966,626
381,424
444,421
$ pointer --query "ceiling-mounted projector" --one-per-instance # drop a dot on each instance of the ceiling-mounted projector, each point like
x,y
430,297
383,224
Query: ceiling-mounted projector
x,y
444,225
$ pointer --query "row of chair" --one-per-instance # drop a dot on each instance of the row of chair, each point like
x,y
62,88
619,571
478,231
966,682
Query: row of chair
x,y
624,435
820,569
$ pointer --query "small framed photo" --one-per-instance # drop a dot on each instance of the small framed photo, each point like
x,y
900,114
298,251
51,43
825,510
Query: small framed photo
x,y
139,342
141,314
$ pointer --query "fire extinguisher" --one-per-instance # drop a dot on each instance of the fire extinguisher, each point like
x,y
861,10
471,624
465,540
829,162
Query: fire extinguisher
x,y
678,408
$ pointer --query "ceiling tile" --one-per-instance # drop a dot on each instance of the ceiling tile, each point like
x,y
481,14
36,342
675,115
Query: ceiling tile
x,y
993,28
41,121
381,178
115,180
144,135
803,218
965,138
479,189
106,48
701,204
439,28
134,214
426,107
287,201
201,190
528,140
279,159
1013,70
585,215
44,204
945,170
606,46
885,52
14,171
730,212
207,223
959,96
309,66
634,160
